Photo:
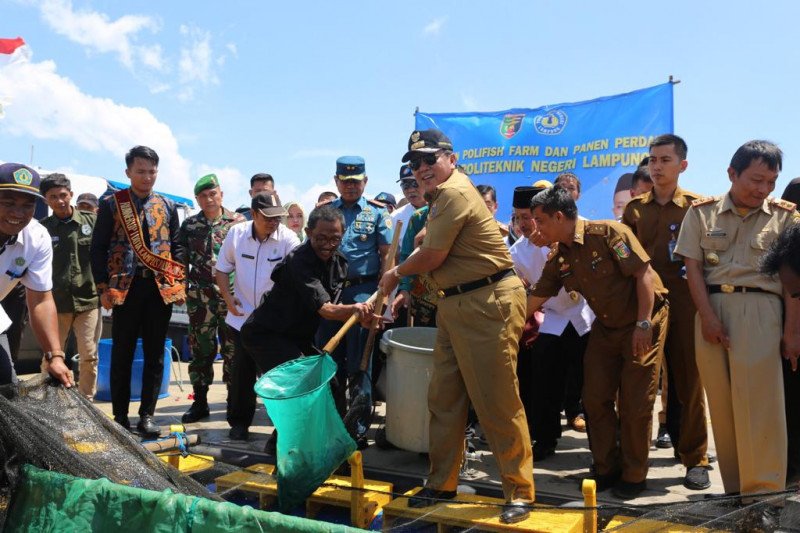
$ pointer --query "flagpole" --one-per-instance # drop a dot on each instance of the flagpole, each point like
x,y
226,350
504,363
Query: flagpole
x,y
31,163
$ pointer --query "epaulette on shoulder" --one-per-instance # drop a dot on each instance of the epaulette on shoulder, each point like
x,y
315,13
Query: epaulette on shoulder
x,y
325,202
783,204
705,200
377,203
596,229
553,252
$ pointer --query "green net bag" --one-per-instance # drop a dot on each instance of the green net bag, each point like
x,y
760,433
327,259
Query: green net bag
x,y
312,441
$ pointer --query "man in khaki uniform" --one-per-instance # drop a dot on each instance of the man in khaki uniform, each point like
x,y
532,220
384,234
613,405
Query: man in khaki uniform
x,y
655,218
480,315
605,263
739,318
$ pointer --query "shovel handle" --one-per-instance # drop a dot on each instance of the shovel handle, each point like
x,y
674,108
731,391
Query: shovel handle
x,y
337,338
380,299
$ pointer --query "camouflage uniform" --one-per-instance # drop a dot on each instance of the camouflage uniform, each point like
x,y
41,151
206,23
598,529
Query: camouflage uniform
x,y
206,308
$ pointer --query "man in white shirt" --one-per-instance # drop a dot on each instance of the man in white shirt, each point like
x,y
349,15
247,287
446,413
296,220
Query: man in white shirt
x,y
26,257
414,196
251,250
562,336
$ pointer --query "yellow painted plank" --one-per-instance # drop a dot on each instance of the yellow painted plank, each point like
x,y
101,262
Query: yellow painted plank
x,y
645,526
485,517
189,464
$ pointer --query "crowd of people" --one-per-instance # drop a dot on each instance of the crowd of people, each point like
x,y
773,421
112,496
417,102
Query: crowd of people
x,y
697,296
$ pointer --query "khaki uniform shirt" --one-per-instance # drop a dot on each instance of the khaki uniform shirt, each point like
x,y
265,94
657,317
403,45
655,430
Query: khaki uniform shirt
x,y
600,265
460,222
729,244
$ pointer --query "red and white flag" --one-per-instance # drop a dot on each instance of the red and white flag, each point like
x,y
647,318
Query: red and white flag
x,y
13,50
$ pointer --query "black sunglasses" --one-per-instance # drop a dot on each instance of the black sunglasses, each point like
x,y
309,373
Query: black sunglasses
x,y
409,184
428,159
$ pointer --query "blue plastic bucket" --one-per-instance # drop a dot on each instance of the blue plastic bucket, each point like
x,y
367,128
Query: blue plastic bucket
x,y
104,371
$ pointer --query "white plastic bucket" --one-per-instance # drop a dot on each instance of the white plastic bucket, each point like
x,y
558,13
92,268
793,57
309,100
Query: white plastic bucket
x,y
409,365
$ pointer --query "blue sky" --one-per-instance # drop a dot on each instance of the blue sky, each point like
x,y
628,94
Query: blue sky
x,y
245,87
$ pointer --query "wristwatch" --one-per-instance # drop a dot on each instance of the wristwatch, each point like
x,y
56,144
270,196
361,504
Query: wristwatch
x,y
644,324
48,356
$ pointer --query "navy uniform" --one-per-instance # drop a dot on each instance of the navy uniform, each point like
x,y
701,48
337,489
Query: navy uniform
x,y
368,228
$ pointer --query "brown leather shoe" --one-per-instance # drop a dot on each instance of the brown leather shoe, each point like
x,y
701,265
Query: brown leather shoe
x,y
578,424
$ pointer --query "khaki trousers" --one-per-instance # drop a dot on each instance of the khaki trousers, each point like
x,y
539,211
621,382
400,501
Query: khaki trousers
x,y
745,391
610,367
475,358
87,335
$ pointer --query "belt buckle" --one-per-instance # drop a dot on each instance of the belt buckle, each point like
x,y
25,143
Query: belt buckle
x,y
440,293
727,288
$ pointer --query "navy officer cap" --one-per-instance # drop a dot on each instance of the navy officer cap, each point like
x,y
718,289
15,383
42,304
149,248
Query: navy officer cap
x,y
386,198
350,167
406,173
19,178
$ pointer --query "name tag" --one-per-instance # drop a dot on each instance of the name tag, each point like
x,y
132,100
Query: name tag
x,y
248,256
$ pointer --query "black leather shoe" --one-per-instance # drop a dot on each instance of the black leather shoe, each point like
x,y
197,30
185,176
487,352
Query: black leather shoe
x,y
696,478
515,512
197,411
123,421
427,497
625,490
663,440
147,427
239,433
542,451
603,482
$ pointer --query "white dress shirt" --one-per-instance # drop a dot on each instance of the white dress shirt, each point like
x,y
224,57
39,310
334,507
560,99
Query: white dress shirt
x,y
252,261
529,261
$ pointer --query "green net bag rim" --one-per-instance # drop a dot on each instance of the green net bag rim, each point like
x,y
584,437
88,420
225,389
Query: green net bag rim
x,y
295,378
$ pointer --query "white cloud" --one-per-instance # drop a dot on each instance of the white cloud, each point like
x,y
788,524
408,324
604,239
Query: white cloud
x,y
434,27
100,34
50,106
196,57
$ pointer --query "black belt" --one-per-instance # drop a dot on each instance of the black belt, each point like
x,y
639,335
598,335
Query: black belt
x,y
477,284
359,280
730,289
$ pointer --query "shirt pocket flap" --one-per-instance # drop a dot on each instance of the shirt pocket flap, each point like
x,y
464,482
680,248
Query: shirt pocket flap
x,y
715,243
761,241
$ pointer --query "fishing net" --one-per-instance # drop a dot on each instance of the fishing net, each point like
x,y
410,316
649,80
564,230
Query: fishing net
x,y
56,429
313,440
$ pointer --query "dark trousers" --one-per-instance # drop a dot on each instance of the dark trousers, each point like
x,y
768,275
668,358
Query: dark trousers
x,y
551,356
7,374
255,353
791,385
144,314
15,304
349,354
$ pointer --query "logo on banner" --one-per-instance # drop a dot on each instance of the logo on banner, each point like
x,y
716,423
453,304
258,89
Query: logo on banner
x,y
511,125
551,123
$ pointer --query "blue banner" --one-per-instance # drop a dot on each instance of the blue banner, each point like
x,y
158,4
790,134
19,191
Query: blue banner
x,y
597,140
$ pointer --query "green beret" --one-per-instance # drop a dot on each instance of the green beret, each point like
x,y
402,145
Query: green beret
x,y
206,182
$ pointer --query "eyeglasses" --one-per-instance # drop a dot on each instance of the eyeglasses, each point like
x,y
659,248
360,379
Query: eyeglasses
x,y
409,184
428,159
321,240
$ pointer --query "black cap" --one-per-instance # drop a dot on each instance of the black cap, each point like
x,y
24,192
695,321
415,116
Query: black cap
x,y
406,173
426,142
87,198
524,195
268,204
17,177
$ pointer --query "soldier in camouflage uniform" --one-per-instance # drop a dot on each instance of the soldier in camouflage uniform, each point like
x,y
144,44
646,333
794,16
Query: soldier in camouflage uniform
x,y
202,236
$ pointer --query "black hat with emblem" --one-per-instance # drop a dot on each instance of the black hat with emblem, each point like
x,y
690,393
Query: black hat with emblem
x,y
19,178
427,142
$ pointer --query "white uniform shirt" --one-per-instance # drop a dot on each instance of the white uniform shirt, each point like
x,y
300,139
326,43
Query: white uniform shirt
x,y
402,214
253,262
27,259
529,261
